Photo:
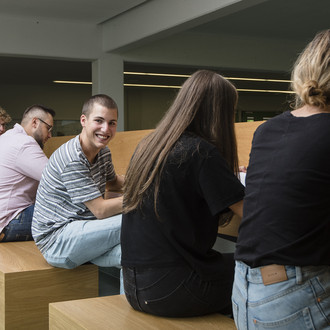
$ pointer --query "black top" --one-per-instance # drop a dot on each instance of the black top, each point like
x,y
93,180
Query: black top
x,y
196,186
287,205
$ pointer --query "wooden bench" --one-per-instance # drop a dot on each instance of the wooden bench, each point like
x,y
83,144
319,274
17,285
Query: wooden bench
x,y
28,284
114,312
124,143
122,147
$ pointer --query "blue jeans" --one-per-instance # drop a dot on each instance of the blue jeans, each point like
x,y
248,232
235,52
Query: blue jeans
x,y
300,302
19,228
95,241
81,241
178,291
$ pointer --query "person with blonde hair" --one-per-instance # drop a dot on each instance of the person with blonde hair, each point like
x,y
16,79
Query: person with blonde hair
x,y
282,275
181,183
4,120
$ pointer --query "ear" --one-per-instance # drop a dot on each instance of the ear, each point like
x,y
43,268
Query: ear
x,y
34,122
83,120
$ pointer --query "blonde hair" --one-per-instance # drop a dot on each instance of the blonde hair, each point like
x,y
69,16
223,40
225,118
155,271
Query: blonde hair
x,y
205,106
311,73
4,116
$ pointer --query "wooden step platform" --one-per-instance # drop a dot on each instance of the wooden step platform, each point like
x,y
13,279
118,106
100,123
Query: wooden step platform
x,y
28,284
114,312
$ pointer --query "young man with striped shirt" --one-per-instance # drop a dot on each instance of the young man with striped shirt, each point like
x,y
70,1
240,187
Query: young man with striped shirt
x,y
73,222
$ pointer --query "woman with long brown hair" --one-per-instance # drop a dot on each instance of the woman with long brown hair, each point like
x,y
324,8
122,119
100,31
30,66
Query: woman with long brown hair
x,y
181,183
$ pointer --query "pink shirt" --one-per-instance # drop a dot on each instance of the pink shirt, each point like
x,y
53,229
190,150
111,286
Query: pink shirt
x,y
21,164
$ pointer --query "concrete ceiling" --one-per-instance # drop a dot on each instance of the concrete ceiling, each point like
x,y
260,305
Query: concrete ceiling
x,y
87,11
280,19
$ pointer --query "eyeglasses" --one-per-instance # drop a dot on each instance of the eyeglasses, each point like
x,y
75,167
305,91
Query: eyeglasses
x,y
50,127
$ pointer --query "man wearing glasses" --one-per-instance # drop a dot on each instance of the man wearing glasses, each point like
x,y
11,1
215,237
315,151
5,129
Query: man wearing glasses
x,y
21,164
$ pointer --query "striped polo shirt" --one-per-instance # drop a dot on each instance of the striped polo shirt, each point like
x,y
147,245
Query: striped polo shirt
x,y
68,181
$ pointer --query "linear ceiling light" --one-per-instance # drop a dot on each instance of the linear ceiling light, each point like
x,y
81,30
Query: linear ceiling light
x,y
172,86
72,82
187,76
157,74
238,89
173,75
260,79
264,91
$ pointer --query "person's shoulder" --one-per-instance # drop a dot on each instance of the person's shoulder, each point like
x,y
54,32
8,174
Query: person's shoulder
x,y
17,135
283,116
192,140
70,144
276,121
195,145
67,152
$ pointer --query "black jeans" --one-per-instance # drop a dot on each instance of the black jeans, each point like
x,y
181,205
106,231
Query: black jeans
x,y
178,291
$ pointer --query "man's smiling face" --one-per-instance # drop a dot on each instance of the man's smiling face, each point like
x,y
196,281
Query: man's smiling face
x,y
99,127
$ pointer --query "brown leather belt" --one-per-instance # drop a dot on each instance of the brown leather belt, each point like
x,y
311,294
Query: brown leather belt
x,y
273,274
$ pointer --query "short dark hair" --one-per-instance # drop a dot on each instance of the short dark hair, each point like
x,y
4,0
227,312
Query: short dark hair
x,y
101,99
38,107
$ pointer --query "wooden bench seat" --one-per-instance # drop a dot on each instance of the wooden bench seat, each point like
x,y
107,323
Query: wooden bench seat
x,y
28,284
114,312
124,143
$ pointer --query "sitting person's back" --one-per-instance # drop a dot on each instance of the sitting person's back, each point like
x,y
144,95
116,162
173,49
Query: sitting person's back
x,y
181,182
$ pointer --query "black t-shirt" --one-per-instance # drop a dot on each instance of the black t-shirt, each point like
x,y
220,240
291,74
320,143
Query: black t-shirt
x,y
287,204
196,186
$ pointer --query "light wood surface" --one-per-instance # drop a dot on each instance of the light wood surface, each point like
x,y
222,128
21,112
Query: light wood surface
x,y
21,256
28,284
244,135
114,312
122,148
124,143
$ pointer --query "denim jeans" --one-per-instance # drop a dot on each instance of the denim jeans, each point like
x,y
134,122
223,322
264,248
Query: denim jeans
x,y
19,228
95,241
300,302
81,241
177,291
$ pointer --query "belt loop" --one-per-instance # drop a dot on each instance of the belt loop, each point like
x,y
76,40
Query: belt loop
x,y
298,275
244,269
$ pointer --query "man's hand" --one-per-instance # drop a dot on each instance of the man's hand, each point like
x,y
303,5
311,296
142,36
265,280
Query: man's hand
x,y
242,169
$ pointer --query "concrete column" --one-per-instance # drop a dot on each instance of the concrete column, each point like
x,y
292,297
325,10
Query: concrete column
x,y
108,78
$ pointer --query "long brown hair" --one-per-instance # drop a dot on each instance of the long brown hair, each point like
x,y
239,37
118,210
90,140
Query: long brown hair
x,y
205,106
